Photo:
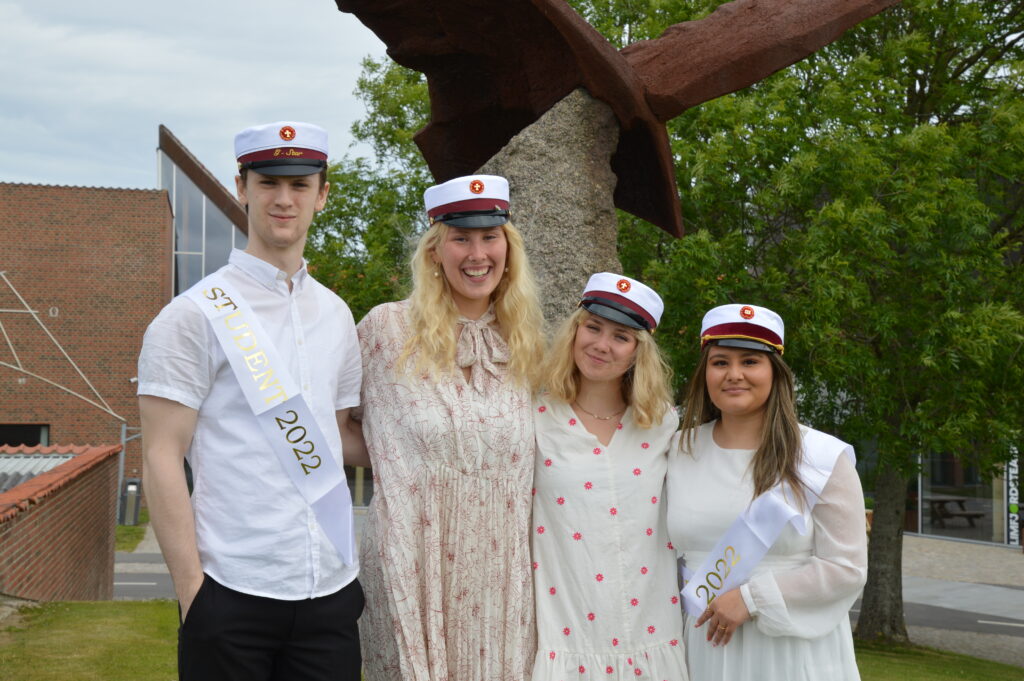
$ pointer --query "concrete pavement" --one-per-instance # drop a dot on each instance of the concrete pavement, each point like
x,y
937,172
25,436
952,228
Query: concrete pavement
x,y
958,596
965,597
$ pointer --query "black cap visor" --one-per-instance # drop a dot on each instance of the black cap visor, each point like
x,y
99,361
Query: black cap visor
x,y
743,343
476,219
615,313
286,167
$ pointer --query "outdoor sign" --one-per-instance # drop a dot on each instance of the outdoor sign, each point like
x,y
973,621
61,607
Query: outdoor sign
x,y
1013,502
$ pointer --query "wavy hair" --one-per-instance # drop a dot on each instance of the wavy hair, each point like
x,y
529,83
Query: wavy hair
x,y
777,459
644,385
433,314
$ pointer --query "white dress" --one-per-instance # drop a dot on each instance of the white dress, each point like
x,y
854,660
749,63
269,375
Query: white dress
x,y
445,551
604,570
801,592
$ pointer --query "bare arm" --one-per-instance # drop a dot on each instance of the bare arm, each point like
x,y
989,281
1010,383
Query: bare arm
x,y
352,443
167,429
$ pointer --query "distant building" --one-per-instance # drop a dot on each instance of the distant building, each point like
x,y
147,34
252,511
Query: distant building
x,y
83,270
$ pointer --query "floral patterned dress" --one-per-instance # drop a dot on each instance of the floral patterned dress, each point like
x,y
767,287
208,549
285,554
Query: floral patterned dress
x,y
604,570
445,552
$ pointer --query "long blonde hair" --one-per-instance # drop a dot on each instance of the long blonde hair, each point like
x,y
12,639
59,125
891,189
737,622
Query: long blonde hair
x,y
644,385
777,459
433,315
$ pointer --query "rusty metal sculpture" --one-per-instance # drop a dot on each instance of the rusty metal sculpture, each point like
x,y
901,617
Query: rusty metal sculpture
x,y
493,68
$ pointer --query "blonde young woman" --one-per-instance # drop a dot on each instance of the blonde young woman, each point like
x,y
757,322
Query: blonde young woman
x,y
447,380
768,516
604,570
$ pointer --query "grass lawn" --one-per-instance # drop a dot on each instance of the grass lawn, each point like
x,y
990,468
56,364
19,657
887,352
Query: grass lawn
x,y
91,641
127,537
882,663
135,641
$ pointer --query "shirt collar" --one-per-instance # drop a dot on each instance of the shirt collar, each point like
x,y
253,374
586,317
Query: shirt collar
x,y
263,272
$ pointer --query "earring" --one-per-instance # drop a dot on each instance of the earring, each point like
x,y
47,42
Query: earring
x,y
437,272
506,270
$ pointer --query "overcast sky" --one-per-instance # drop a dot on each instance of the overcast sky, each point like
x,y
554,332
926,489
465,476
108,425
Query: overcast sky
x,y
83,86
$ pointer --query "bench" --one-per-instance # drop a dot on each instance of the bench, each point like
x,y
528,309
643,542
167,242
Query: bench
x,y
969,515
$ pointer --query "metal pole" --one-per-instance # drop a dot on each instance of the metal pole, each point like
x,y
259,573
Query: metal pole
x,y
120,471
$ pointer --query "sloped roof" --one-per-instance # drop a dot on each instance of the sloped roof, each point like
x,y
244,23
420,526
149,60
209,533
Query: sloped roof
x,y
43,470
204,179
18,468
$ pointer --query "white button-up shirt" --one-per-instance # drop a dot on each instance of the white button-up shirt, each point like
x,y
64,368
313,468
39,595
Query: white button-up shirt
x,y
255,532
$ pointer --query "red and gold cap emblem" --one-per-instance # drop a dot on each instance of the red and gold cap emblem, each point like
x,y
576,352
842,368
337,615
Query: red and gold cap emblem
x,y
476,186
747,312
623,285
287,133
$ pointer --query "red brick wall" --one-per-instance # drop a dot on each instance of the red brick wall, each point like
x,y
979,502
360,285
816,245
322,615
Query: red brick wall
x,y
100,260
57,530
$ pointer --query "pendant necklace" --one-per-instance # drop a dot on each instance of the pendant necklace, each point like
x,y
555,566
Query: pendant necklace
x,y
599,418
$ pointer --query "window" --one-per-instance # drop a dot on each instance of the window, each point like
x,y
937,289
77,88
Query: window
x,y
203,235
29,435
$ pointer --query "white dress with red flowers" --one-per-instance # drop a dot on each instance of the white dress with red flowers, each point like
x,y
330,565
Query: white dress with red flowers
x,y
604,571
445,550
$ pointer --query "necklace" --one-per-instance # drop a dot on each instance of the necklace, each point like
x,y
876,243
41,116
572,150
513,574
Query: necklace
x,y
599,418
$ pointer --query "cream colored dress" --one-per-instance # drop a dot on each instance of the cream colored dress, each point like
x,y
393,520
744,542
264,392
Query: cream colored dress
x,y
445,553
604,569
800,594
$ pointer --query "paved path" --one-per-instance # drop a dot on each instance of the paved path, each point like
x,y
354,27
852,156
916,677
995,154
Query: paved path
x,y
965,597
958,596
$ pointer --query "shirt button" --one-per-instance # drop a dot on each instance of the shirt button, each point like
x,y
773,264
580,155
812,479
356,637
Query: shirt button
x,y
306,387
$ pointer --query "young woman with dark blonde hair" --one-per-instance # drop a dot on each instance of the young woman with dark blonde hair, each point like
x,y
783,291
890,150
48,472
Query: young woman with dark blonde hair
x,y
767,515
447,381
604,569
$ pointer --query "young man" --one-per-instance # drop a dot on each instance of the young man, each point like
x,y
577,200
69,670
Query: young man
x,y
250,376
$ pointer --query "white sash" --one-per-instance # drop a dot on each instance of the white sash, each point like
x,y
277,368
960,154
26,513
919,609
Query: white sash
x,y
753,533
280,409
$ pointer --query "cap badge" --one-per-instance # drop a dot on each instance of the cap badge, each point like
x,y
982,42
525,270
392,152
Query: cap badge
x,y
747,312
623,285
476,186
287,133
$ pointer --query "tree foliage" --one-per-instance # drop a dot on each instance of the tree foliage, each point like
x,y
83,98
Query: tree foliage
x,y
871,194
359,244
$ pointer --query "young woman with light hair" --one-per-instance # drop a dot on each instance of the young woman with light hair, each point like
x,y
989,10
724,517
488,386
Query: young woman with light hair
x,y
434,314
604,570
447,381
767,515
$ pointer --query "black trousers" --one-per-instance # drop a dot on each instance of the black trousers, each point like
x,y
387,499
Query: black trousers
x,y
231,636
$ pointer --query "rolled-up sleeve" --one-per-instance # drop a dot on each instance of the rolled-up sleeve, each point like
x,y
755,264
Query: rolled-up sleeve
x,y
175,362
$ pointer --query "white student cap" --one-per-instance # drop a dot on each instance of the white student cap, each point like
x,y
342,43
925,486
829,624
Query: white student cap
x,y
470,201
623,300
743,326
282,148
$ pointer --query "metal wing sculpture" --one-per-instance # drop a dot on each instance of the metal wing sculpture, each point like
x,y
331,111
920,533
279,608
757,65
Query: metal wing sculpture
x,y
493,68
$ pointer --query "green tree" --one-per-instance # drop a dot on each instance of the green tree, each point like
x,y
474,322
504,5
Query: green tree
x,y
359,244
871,194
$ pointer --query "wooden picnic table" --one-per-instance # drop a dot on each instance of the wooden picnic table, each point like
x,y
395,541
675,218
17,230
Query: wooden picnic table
x,y
948,506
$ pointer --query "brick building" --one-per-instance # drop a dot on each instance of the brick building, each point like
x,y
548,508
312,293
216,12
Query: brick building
x,y
83,270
